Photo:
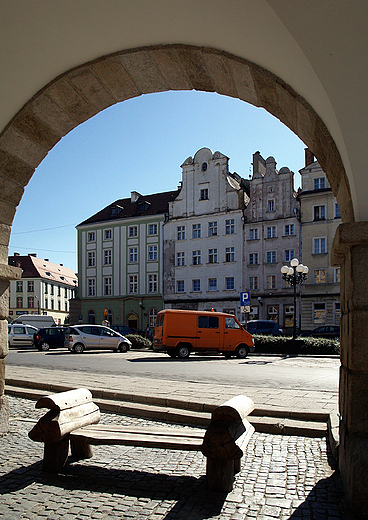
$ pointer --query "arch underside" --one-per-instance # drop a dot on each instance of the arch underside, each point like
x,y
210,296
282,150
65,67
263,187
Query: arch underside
x,y
83,92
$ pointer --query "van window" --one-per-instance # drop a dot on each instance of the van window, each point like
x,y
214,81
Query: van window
x,y
208,322
230,323
160,320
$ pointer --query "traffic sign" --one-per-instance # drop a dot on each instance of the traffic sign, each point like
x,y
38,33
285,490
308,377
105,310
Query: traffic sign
x,y
245,298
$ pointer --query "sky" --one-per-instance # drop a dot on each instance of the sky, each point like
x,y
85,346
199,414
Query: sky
x,y
139,145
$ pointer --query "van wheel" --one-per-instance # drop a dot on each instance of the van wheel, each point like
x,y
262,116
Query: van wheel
x,y
78,348
182,351
241,352
44,346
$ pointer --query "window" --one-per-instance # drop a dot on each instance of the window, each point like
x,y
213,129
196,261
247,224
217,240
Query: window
x,y
230,283
133,255
271,281
107,286
271,257
196,284
253,259
271,206
230,226
133,231
65,292
152,229
208,322
181,232
196,257
152,253
253,283
231,323
59,290
107,257
46,303
91,317
320,276
91,236
289,230
319,212
253,234
152,283
319,183
319,313
133,284
230,254
319,246
337,275
289,255
152,317
196,231
51,289
52,305
46,288
212,229
107,234
91,259
212,256
180,259
204,167
212,284
337,313
30,302
271,232
203,194
337,211
180,286
31,286
273,313
91,284
20,286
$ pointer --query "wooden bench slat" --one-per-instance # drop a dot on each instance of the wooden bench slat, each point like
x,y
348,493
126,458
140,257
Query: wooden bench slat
x,y
135,430
238,407
137,439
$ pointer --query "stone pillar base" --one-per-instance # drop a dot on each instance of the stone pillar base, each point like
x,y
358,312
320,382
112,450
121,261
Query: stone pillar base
x,y
4,415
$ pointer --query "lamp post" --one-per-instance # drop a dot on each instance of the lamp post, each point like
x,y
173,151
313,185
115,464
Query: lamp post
x,y
294,275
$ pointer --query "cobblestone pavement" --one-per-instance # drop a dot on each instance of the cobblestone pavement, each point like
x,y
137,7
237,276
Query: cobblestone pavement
x,y
282,477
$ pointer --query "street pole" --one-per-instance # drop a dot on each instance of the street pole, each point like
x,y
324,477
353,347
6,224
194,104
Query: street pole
x,y
294,275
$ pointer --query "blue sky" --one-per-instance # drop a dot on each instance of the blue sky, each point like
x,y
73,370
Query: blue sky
x,y
139,145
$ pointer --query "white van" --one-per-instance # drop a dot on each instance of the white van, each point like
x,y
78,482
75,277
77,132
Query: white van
x,y
36,320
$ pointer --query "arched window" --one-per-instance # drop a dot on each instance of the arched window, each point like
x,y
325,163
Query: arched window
x,y
91,317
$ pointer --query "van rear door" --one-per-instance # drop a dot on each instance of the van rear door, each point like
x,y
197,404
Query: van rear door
x,y
208,333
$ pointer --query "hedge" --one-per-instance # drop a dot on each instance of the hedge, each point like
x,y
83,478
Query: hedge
x,y
301,345
139,341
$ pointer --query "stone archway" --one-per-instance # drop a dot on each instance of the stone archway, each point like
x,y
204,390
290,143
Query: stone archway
x,y
81,93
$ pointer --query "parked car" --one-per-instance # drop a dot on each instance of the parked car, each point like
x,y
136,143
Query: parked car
x,y
37,320
87,337
20,335
263,327
325,331
52,337
122,329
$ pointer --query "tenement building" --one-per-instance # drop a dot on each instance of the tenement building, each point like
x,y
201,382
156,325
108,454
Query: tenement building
x,y
120,261
204,238
272,239
320,217
45,288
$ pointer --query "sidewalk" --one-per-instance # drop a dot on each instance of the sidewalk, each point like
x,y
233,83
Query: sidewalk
x,y
282,477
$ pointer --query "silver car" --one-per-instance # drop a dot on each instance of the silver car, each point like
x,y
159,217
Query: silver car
x,y
20,335
97,337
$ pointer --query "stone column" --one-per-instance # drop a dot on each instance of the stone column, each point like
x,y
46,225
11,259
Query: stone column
x,y
7,273
350,251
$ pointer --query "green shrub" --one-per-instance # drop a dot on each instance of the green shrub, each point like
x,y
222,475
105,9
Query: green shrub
x,y
139,341
285,345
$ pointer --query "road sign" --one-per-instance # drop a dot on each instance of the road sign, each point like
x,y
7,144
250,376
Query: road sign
x,y
245,302
106,311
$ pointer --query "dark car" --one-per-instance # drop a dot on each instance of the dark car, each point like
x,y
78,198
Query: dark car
x,y
122,329
53,337
325,331
263,327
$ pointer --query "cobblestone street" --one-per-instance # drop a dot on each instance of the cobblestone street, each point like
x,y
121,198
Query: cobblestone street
x,y
282,477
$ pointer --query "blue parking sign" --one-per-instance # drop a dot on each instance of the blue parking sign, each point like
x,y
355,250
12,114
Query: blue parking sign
x,y
244,299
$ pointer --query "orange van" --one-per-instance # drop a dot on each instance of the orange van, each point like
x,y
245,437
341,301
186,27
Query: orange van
x,y
180,332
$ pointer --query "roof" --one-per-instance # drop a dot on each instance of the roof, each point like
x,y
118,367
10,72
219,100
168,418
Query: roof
x,y
142,205
34,267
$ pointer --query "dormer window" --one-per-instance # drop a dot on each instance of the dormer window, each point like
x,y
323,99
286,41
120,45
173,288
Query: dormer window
x,y
204,167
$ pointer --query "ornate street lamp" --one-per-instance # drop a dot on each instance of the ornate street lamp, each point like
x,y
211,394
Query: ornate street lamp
x,y
294,275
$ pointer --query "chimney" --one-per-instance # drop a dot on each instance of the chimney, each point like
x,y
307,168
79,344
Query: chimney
x,y
134,196
309,157
16,254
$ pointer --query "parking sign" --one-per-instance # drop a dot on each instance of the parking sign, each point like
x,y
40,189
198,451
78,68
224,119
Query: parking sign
x,y
245,301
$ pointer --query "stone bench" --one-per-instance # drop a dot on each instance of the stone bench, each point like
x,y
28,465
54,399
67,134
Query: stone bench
x,y
73,419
